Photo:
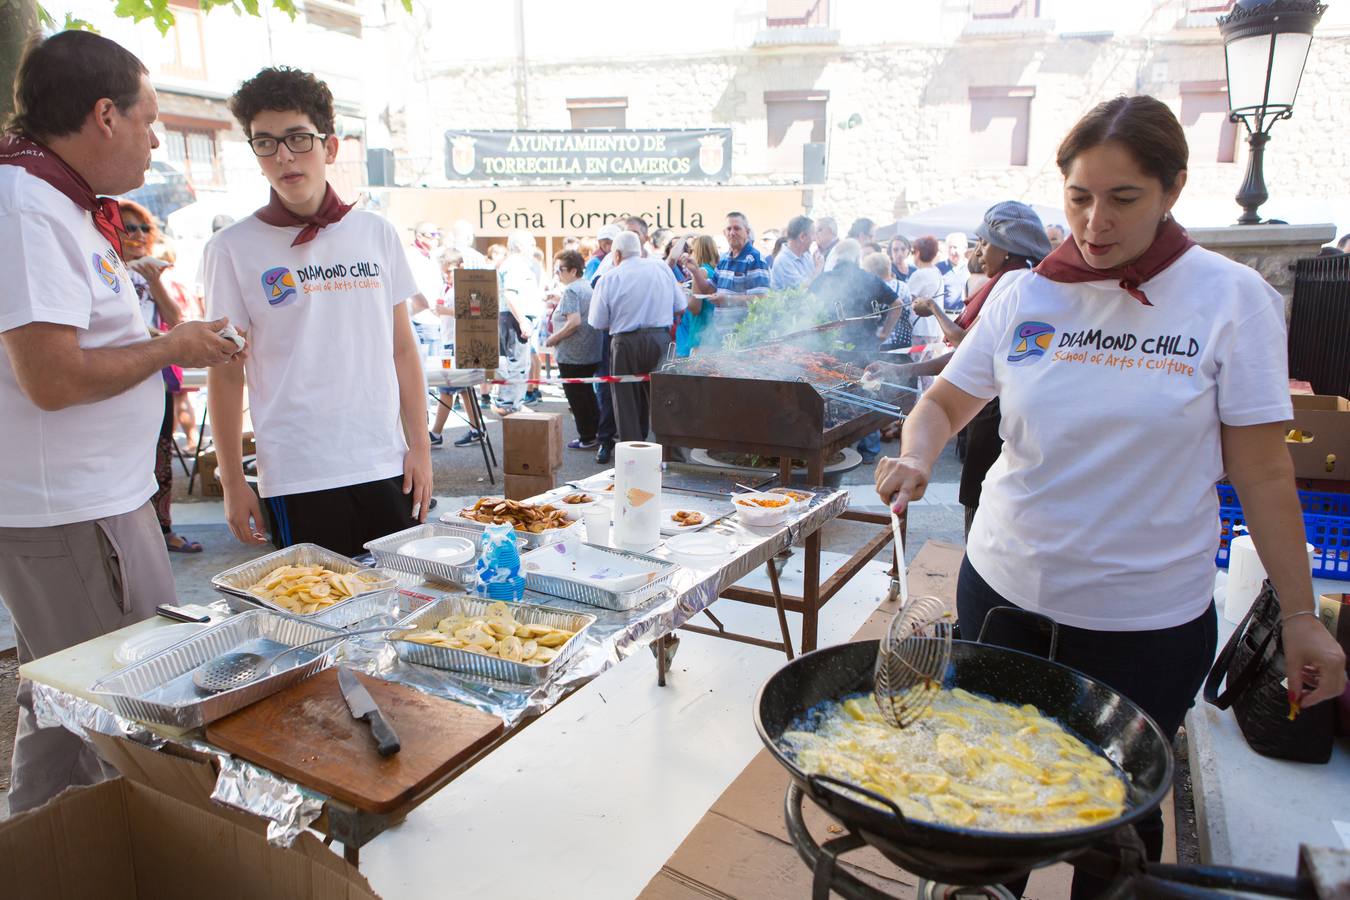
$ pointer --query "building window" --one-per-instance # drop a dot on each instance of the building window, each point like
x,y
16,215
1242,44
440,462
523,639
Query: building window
x,y
1204,117
795,119
797,14
1000,125
1005,9
185,39
598,112
193,149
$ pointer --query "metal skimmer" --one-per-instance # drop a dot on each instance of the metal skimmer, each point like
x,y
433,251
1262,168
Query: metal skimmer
x,y
914,652
238,667
912,660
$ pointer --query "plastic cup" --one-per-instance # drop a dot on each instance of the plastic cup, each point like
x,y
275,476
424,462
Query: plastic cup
x,y
596,519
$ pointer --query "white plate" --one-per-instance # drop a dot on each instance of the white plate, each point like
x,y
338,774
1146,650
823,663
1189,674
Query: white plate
x,y
577,507
443,548
609,571
148,643
668,526
702,549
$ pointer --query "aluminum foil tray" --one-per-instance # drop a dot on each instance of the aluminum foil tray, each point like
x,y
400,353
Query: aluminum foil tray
x,y
365,609
234,583
532,541
385,551
160,689
591,595
481,664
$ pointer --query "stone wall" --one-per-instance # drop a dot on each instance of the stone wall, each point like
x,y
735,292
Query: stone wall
x,y
908,153
1271,250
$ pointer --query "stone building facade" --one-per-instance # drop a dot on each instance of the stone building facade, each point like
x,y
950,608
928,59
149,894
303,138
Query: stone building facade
x,y
915,104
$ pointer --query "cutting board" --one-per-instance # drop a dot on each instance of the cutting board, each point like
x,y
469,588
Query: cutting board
x,y
307,734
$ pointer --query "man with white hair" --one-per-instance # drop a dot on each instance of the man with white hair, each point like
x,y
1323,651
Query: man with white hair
x,y
598,265
827,238
850,292
955,272
636,303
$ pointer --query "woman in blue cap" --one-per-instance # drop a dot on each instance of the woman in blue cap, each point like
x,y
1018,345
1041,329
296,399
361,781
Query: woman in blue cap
x,y
1011,241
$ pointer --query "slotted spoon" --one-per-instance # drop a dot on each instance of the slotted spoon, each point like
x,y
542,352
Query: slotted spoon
x,y
240,667
914,652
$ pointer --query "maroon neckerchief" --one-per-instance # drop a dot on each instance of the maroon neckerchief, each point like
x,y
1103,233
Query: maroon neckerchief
x,y
42,162
331,210
1066,263
967,317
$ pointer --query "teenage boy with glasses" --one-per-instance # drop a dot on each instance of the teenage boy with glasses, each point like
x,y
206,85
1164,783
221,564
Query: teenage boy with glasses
x,y
335,383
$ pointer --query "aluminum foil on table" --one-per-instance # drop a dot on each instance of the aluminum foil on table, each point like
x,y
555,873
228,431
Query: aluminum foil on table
x,y
615,635
290,808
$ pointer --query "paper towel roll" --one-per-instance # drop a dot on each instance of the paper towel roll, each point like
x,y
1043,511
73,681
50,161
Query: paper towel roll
x,y
1245,575
637,495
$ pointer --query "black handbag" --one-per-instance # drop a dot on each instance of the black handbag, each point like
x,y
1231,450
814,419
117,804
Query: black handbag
x,y
1253,663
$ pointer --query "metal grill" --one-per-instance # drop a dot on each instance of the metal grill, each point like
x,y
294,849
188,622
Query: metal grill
x,y
1319,330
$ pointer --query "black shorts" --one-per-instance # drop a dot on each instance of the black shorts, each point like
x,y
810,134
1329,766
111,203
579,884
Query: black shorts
x,y
341,519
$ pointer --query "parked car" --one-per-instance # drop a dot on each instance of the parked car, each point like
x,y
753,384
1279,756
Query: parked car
x,y
165,191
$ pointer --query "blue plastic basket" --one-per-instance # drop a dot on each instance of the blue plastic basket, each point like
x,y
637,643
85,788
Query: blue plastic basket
x,y
1326,522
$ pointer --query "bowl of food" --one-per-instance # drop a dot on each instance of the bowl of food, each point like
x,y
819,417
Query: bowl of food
x,y
762,509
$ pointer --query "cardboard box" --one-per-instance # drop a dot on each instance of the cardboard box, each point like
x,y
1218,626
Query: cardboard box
x,y
1334,611
476,305
154,833
532,443
523,487
1326,419
207,467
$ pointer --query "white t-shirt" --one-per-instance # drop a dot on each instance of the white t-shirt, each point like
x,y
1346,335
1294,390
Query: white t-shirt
x,y
322,388
926,282
92,460
1101,511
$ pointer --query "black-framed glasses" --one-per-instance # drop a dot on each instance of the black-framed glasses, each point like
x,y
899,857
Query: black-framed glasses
x,y
296,142
133,229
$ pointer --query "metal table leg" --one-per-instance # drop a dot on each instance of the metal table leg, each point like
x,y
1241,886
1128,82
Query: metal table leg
x,y
197,454
484,443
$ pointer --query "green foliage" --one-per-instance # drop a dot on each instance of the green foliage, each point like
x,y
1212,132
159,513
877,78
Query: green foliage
x,y
779,313
161,14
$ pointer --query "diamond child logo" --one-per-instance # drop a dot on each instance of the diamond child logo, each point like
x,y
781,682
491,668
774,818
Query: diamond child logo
x,y
279,286
106,271
1030,342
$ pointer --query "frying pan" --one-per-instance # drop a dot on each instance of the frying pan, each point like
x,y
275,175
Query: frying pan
x,y
1095,712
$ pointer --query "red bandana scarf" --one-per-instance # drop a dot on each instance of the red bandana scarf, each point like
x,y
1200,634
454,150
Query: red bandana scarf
x,y
967,317
40,162
1067,265
331,210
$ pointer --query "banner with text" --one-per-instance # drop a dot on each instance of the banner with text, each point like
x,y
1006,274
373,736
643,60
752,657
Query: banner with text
x,y
609,155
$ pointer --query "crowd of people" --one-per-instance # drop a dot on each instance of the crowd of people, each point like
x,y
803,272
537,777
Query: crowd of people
x,y
896,294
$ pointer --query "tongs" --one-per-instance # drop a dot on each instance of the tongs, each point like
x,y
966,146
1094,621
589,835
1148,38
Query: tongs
x,y
843,396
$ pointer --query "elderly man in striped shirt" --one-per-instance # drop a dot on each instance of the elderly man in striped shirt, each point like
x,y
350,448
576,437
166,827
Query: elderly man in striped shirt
x,y
741,273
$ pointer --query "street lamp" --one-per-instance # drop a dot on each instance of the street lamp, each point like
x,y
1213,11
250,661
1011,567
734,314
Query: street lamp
x,y
1265,46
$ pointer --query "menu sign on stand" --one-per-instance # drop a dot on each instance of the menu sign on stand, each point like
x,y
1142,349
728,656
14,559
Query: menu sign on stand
x,y
476,339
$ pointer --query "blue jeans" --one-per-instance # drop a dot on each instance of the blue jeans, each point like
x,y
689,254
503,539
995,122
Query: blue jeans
x,y
870,445
1161,670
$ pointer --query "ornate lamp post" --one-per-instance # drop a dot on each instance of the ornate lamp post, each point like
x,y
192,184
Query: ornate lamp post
x,y
1265,46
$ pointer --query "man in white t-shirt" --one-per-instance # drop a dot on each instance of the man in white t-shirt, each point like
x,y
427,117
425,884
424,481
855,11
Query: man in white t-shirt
x,y
81,396
336,388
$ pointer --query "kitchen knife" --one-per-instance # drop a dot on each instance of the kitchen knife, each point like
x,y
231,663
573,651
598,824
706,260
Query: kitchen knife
x,y
363,706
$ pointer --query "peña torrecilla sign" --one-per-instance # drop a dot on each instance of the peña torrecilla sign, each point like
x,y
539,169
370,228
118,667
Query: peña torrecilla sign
x,y
594,155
